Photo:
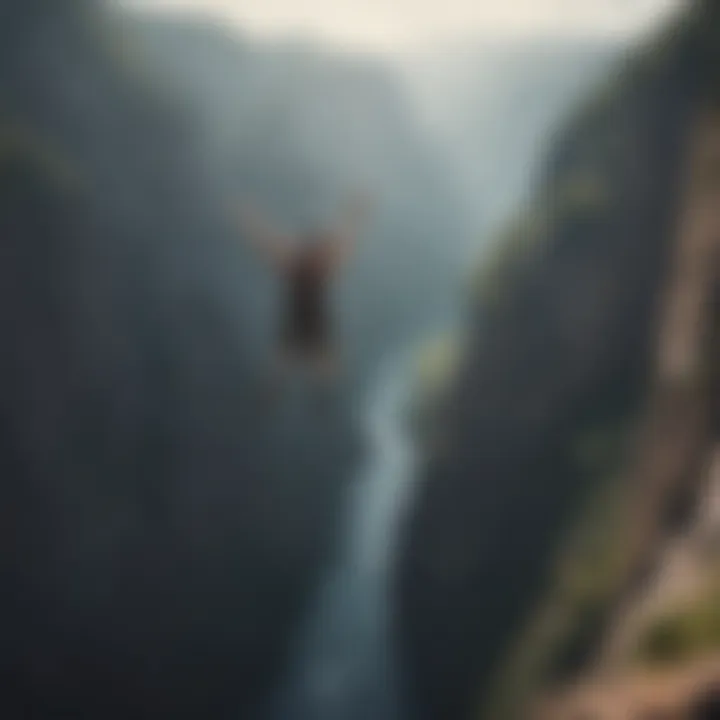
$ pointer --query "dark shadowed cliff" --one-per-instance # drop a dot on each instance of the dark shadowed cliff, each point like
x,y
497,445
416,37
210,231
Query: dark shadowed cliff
x,y
160,532
564,333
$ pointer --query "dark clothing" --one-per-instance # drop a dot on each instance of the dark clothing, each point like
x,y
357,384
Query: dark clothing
x,y
307,325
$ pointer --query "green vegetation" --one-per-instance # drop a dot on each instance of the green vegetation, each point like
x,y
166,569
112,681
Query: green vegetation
x,y
436,364
683,633
498,267
583,194
583,580
579,197
435,370
20,146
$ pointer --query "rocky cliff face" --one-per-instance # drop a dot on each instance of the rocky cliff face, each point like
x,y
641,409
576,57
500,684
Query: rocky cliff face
x,y
653,647
655,652
161,529
566,335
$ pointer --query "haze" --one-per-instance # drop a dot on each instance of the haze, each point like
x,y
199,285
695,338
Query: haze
x,y
403,24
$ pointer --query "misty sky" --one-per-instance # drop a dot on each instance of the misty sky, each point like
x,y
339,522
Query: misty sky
x,y
388,24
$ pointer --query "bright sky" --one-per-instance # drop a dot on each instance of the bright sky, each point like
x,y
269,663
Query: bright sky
x,y
388,24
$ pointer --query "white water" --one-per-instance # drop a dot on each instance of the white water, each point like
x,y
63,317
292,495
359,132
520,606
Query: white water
x,y
344,668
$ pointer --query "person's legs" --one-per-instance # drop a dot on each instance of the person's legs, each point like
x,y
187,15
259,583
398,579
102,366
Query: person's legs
x,y
319,367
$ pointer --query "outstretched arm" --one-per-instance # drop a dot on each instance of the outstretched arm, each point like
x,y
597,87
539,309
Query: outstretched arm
x,y
270,242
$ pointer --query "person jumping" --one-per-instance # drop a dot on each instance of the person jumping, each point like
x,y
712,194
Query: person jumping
x,y
306,263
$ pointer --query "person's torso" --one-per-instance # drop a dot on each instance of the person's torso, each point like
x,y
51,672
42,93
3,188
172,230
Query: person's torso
x,y
307,288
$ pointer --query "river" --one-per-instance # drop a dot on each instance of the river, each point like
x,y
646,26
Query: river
x,y
344,666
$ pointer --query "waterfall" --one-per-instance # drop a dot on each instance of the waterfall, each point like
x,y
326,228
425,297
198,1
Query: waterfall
x,y
344,666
